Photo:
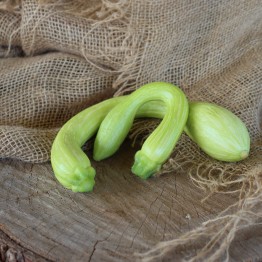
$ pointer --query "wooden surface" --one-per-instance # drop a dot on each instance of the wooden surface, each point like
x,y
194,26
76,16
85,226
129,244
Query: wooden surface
x,y
42,221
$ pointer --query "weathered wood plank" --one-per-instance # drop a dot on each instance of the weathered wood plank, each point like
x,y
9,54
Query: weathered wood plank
x,y
121,216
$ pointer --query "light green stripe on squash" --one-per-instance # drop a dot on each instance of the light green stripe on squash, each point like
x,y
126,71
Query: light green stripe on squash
x,y
160,144
71,165
217,131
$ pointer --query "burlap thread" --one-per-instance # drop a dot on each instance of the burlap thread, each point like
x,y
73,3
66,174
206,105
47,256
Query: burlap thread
x,y
57,57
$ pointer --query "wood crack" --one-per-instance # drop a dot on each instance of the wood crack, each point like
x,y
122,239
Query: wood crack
x,y
93,250
94,247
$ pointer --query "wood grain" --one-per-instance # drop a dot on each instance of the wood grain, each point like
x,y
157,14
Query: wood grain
x,y
123,215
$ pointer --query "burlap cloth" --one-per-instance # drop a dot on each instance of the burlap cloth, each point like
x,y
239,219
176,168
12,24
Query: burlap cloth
x,y
58,57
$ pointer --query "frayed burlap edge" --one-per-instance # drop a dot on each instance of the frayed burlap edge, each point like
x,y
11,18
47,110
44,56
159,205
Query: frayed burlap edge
x,y
214,237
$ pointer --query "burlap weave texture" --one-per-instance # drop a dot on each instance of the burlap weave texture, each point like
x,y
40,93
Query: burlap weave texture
x,y
56,56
